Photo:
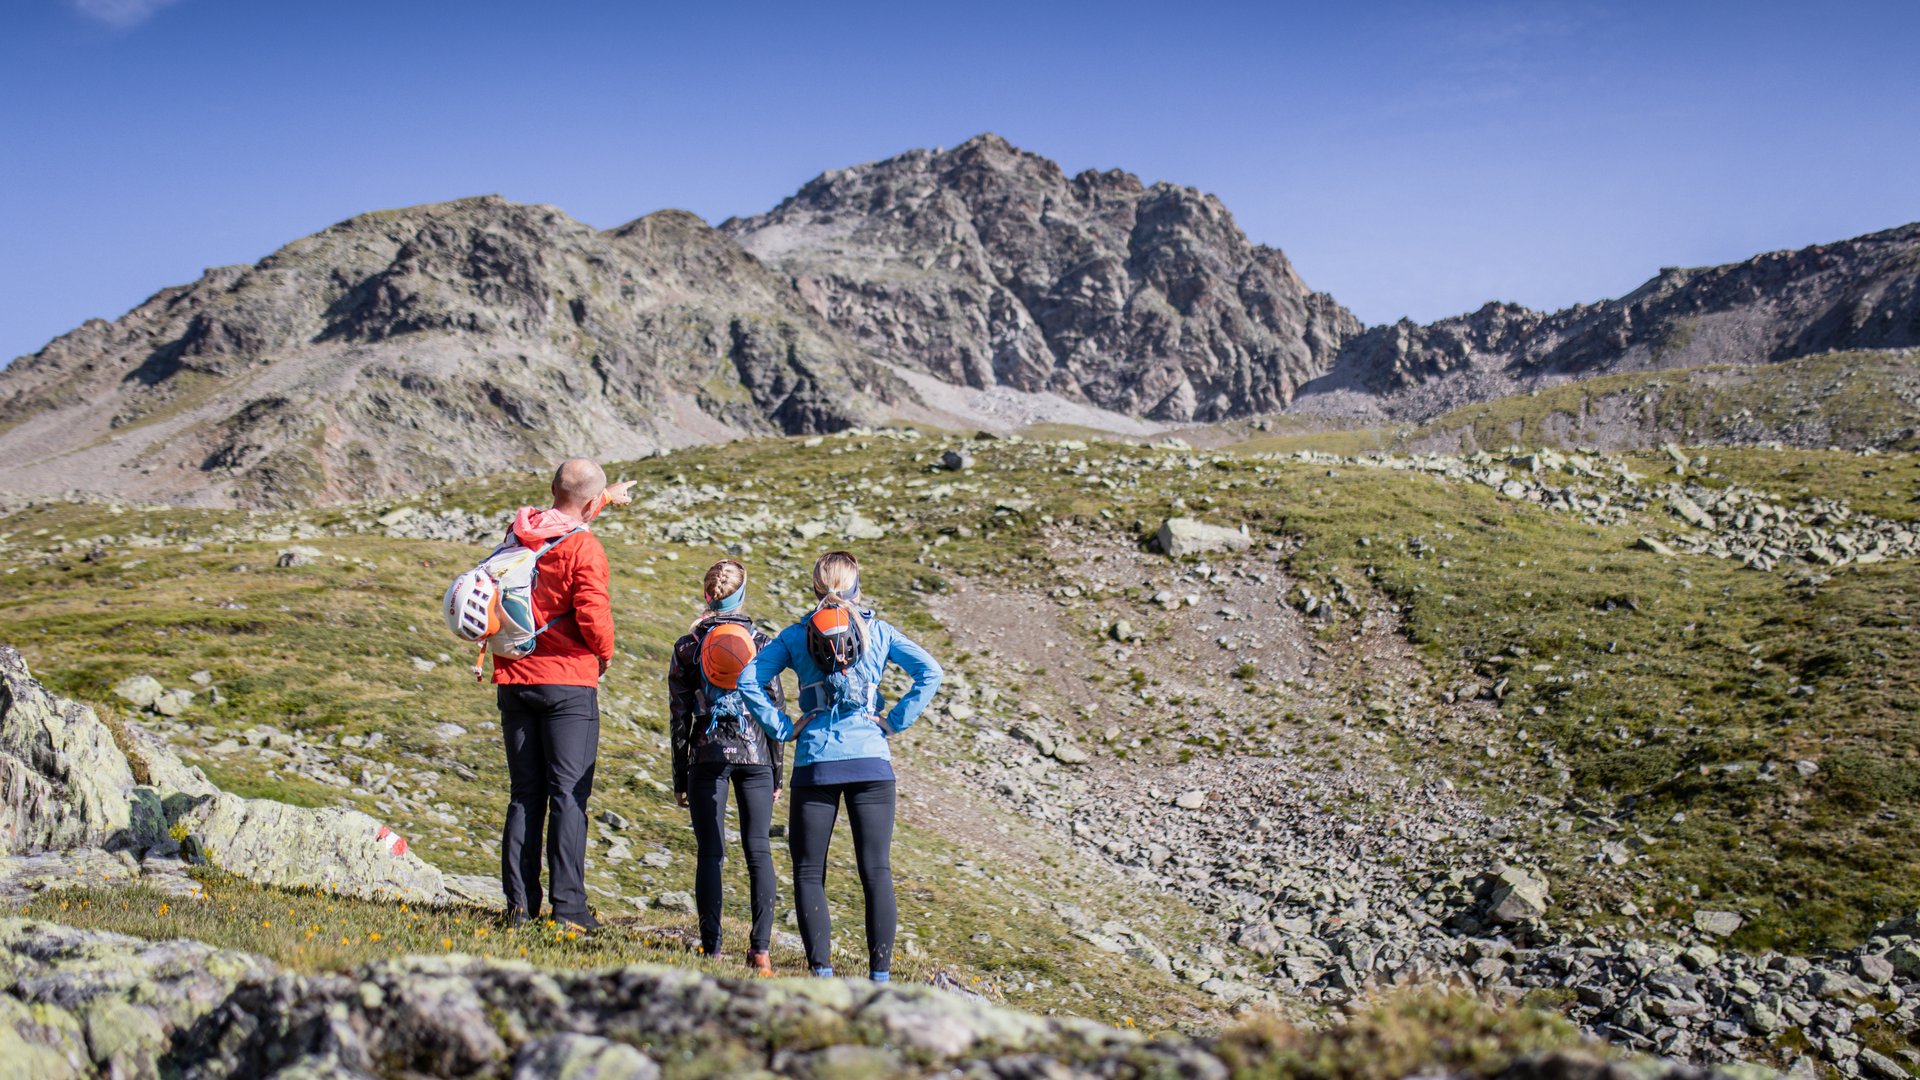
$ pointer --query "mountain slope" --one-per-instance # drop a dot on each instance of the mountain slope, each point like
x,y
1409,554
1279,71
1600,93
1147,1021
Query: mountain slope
x,y
987,265
978,286
418,344
1862,293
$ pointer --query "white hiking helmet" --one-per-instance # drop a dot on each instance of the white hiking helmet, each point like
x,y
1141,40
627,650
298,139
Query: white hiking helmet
x,y
471,605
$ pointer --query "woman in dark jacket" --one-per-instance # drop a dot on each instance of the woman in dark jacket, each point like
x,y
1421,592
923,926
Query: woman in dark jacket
x,y
716,744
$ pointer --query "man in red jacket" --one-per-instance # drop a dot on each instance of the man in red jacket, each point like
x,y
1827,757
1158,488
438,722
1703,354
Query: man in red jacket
x,y
549,700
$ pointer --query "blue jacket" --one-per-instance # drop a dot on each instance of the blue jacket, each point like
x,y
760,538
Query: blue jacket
x,y
843,734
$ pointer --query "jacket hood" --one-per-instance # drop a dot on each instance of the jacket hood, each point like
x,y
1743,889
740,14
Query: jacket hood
x,y
536,525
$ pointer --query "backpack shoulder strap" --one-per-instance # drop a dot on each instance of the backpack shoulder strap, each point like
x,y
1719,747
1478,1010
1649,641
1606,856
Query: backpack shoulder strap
x,y
540,553
555,542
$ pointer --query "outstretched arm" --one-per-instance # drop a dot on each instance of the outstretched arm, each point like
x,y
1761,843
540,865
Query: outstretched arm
x,y
754,680
925,672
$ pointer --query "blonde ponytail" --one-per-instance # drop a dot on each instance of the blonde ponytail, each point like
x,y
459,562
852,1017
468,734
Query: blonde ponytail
x,y
836,582
836,579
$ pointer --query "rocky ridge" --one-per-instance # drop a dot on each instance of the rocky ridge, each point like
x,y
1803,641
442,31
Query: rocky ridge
x,y
987,265
437,341
1862,293
977,285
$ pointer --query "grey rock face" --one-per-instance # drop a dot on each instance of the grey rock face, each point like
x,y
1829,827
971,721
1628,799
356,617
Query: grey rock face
x,y
1517,896
988,266
1717,923
63,782
66,785
1862,293
446,340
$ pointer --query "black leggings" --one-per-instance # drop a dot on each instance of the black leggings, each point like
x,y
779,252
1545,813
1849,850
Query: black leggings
x,y
810,826
707,800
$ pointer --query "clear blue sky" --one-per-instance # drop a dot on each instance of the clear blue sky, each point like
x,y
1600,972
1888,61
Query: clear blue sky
x,y
1413,159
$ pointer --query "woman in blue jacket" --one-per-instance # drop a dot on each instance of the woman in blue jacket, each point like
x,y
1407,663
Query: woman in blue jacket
x,y
839,653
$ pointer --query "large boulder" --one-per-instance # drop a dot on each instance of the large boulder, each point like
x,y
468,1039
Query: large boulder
x,y
294,846
1517,896
63,781
66,784
1181,536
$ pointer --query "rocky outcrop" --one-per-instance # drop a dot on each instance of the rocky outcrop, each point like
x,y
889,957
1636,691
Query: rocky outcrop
x,y
63,781
441,340
77,1003
986,265
1862,293
69,787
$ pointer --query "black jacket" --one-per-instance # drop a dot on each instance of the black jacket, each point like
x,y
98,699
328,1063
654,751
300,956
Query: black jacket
x,y
694,741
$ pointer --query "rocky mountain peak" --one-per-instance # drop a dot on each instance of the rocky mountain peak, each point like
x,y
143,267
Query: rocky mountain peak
x,y
985,265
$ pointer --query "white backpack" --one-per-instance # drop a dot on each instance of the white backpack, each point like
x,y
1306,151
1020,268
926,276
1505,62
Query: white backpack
x,y
491,605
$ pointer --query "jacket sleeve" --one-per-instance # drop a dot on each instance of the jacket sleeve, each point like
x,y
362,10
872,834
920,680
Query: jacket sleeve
x,y
592,607
925,672
683,689
756,677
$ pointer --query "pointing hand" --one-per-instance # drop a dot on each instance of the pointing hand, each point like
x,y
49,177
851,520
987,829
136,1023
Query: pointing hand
x,y
620,494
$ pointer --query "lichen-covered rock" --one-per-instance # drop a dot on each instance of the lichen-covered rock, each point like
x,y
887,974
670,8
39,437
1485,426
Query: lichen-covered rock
x,y
66,785
581,1057
84,1003
277,844
63,781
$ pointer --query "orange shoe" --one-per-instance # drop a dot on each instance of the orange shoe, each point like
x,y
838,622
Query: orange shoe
x,y
761,962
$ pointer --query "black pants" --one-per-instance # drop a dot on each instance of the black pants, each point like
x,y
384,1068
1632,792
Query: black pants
x,y
810,826
553,736
707,799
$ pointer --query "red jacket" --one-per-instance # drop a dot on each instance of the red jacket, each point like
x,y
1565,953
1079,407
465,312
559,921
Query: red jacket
x,y
572,592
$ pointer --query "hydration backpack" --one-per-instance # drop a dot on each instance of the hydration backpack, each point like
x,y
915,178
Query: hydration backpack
x,y
836,641
491,605
726,648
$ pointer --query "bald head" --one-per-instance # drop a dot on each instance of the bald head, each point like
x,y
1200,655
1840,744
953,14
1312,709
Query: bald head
x,y
576,484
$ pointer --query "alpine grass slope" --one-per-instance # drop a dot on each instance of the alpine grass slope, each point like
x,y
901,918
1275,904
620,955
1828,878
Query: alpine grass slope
x,y
1625,737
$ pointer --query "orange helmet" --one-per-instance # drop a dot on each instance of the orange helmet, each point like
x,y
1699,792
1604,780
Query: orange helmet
x,y
726,651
